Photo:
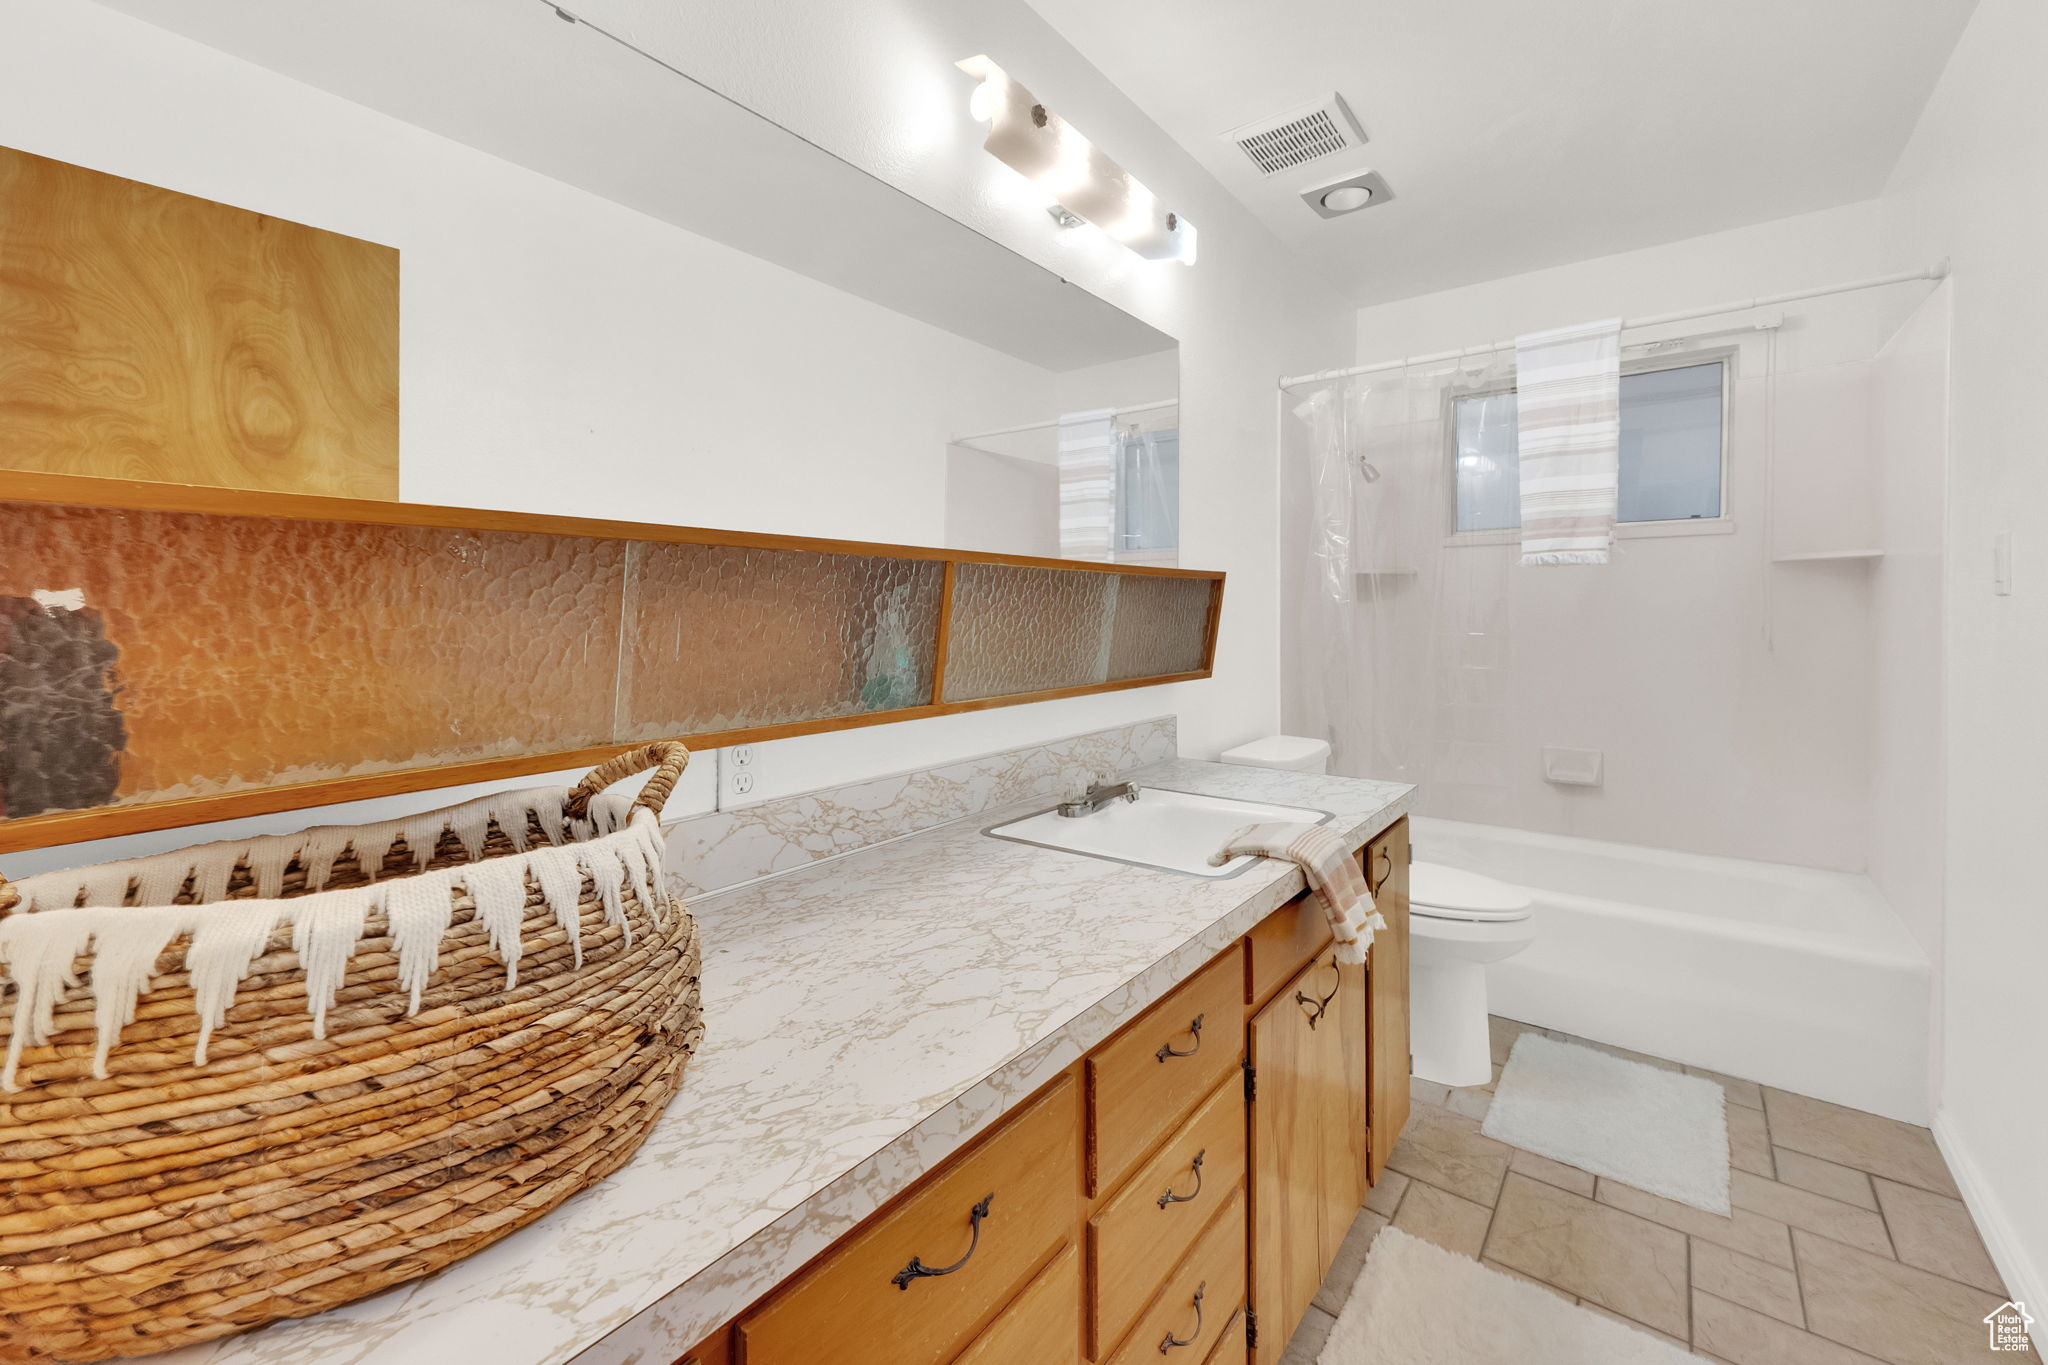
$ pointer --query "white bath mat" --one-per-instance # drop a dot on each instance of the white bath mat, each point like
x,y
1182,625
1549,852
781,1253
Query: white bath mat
x,y
1661,1131
1418,1304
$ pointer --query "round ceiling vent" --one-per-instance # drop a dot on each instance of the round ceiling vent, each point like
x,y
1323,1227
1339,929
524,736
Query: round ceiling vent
x,y
1335,198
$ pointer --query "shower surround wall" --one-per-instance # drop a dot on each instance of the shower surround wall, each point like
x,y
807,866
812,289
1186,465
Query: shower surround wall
x,y
1718,738
1908,787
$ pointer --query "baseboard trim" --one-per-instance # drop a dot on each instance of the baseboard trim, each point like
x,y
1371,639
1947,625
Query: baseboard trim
x,y
2022,1277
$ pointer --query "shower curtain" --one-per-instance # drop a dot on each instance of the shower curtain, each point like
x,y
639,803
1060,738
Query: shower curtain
x,y
1717,660
1404,637
1148,490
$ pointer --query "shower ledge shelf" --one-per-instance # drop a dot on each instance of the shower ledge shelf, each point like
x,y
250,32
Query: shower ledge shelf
x,y
1815,556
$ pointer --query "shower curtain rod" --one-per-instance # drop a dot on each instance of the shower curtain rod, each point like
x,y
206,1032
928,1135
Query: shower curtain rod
x,y
1041,426
1933,272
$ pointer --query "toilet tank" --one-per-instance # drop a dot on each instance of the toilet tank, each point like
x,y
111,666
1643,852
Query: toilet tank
x,y
1293,753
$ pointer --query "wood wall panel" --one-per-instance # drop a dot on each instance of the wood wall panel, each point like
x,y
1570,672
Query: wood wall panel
x,y
153,335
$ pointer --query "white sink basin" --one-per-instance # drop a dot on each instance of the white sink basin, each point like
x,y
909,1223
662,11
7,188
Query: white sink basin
x,y
1170,830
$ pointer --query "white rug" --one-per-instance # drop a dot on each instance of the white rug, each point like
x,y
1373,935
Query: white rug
x,y
1417,1304
1661,1131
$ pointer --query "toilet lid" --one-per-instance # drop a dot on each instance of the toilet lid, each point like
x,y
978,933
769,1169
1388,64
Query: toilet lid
x,y
1454,893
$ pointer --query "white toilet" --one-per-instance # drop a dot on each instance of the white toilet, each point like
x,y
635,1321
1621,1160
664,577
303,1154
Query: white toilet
x,y
1458,921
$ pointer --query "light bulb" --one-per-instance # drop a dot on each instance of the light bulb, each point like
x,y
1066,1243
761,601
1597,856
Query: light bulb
x,y
981,105
1345,198
1071,168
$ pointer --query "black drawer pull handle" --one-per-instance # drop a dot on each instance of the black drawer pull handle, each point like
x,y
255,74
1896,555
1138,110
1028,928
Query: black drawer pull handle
x,y
918,1270
1171,1198
1189,1340
1195,1028
1322,1006
1381,855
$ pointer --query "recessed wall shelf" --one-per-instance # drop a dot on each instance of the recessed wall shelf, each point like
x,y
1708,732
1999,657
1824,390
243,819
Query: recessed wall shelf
x,y
1816,556
173,655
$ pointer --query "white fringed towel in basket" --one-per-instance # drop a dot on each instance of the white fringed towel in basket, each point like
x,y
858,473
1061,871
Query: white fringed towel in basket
x,y
65,916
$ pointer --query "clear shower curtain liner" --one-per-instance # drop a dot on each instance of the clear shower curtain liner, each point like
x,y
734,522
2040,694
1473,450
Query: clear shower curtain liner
x,y
1403,634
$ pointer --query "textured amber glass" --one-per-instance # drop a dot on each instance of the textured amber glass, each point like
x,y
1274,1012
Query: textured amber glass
x,y
250,652
722,638
153,656
1161,626
1019,629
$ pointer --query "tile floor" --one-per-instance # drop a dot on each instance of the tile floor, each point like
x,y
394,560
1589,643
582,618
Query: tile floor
x,y
1848,1245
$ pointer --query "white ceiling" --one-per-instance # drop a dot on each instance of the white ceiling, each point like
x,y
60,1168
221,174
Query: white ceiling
x,y
511,78
1519,134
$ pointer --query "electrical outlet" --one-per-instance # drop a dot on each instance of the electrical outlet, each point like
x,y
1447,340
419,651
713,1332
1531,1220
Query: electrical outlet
x,y
737,765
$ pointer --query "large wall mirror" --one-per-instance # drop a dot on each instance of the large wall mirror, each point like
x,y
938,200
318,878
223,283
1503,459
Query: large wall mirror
x,y
1064,441
569,288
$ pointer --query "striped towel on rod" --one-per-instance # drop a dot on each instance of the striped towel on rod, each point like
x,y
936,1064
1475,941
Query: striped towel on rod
x,y
1331,871
1568,418
1088,484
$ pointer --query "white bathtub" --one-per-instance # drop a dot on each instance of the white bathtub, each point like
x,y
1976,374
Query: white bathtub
x,y
1798,978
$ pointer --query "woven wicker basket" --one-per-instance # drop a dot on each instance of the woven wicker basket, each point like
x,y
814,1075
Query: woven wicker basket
x,y
420,1055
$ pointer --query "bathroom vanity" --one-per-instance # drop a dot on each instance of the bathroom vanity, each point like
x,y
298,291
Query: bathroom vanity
x,y
1179,1192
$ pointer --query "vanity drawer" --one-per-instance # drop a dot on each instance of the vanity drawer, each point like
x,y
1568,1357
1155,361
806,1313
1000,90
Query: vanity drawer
x,y
1136,1239
1231,1347
1141,1082
1214,1271
1043,1326
1282,943
848,1307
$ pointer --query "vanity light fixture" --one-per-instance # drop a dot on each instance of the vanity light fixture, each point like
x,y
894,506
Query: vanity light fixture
x,y
1041,146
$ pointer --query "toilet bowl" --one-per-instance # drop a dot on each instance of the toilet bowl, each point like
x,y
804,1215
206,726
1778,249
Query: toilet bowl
x,y
1458,921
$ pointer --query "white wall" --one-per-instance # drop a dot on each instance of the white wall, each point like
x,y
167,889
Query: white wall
x,y
563,354
1002,503
1718,738
1967,187
1910,416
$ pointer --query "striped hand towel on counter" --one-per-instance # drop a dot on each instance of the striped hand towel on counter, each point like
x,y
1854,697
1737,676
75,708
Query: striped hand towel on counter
x,y
1568,412
1332,873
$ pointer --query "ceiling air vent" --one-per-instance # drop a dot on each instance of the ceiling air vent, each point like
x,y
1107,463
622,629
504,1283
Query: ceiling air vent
x,y
1298,136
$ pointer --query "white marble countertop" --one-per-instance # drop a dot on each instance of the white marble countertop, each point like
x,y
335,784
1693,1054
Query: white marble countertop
x,y
866,1016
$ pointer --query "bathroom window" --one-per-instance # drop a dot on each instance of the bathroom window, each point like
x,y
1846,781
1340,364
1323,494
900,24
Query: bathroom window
x,y
1672,437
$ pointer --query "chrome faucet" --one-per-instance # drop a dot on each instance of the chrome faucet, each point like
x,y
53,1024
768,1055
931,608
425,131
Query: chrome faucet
x,y
1098,796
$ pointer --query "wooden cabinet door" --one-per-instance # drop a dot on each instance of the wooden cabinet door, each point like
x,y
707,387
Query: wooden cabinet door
x,y
1348,1154
1386,872
1307,1141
